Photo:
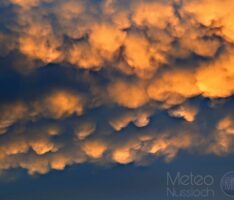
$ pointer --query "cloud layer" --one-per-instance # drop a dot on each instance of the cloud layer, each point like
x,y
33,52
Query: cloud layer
x,y
114,81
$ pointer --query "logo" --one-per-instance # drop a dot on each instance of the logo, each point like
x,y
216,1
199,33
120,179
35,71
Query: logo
x,y
190,186
227,184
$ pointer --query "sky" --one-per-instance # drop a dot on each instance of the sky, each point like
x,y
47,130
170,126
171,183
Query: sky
x,y
114,99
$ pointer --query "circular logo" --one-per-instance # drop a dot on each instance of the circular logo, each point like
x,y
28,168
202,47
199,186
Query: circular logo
x,y
227,184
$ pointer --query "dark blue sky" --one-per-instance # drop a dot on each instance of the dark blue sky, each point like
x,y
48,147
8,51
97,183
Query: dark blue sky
x,y
89,182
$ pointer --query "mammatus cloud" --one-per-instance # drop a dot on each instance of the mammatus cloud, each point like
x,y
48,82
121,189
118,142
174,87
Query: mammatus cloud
x,y
114,81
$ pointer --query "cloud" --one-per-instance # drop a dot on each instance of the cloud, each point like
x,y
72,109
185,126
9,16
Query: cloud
x,y
173,87
123,156
84,56
84,129
214,14
61,103
141,55
106,38
8,118
186,111
215,86
131,95
139,118
109,79
223,142
144,14
94,149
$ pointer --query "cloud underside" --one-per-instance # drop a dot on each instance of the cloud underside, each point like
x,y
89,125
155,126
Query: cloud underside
x,y
114,81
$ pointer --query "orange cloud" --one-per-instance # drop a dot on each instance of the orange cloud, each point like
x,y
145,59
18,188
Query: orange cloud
x,y
223,141
61,103
185,111
216,79
173,87
131,95
7,118
140,119
131,62
122,156
213,13
38,41
141,55
144,14
85,56
42,146
106,38
84,130
94,149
